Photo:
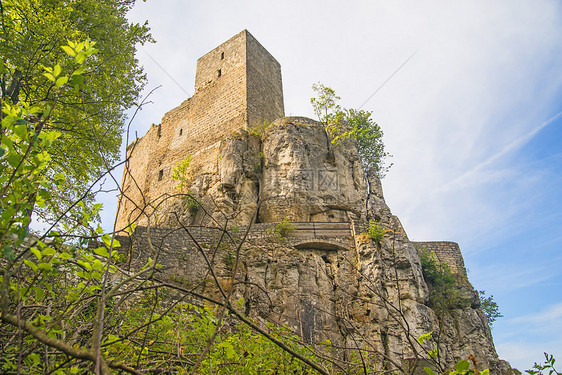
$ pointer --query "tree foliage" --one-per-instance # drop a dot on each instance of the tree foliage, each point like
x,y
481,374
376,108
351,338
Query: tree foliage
x,y
489,307
444,293
375,231
545,368
352,124
88,119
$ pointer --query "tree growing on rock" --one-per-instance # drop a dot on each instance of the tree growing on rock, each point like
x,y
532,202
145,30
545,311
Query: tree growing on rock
x,y
355,124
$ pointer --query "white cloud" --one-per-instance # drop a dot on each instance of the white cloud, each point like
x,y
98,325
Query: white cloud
x,y
525,354
550,318
531,336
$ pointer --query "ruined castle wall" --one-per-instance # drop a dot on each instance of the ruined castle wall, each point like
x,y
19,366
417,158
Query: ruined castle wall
x,y
265,88
446,252
235,83
219,104
137,175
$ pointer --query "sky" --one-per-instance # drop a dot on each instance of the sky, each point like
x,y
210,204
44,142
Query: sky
x,y
469,96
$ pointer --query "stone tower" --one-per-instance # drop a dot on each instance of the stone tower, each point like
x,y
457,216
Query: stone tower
x,y
237,84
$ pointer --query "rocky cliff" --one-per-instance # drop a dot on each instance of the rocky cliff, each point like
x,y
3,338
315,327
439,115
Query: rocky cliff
x,y
322,276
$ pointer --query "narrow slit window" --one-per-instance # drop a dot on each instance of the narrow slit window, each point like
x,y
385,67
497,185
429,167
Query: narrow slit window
x,y
222,55
159,131
160,175
219,73
181,131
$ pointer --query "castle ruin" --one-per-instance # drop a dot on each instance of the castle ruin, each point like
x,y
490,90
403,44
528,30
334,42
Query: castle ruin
x,y
322,278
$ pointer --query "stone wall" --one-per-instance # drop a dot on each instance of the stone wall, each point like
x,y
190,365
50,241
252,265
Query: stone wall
x,y
446,252
237,84
174,241
264,86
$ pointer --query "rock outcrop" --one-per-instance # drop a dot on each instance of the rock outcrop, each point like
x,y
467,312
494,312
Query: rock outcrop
x,y
324,278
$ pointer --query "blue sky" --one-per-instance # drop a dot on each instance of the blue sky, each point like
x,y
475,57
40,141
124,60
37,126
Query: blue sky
x,y
473,119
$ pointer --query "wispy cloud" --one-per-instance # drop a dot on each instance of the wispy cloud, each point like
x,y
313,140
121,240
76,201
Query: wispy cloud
x,y
511,278
471,174
531,335
524,354
549,318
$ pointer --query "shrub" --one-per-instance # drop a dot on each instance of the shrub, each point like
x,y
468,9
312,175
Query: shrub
x,y
282,230
352,124
260,128
191,205
375,231
444,293
180,173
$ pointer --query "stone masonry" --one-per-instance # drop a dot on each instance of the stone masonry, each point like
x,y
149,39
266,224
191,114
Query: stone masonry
x,y
237,84
321,276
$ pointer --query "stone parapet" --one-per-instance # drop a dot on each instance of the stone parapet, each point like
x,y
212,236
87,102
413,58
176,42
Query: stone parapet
x,y
446,252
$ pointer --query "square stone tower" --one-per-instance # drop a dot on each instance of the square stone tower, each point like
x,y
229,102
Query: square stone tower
x,y
237,84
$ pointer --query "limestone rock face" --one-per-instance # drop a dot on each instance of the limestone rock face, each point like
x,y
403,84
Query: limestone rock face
x,y
325,279
306,178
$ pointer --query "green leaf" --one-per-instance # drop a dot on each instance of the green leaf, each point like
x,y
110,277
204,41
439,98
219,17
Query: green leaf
x,y
36,252
102,251
65,256
433,353
80,57
107,241
35,358
49,76
8,253
61,81
39,293
21,131
47,138
429,371
45,266
228,348
462,365
69,51
78,71
77,80
57,70
86,265
424,337
49,251
30,264
97,265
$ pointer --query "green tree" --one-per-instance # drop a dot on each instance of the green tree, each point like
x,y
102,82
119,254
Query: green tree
x,y
352,124
489,307
88,119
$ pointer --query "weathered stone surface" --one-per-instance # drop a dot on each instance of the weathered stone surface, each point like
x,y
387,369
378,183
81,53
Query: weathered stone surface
x,y
325,279
306,178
